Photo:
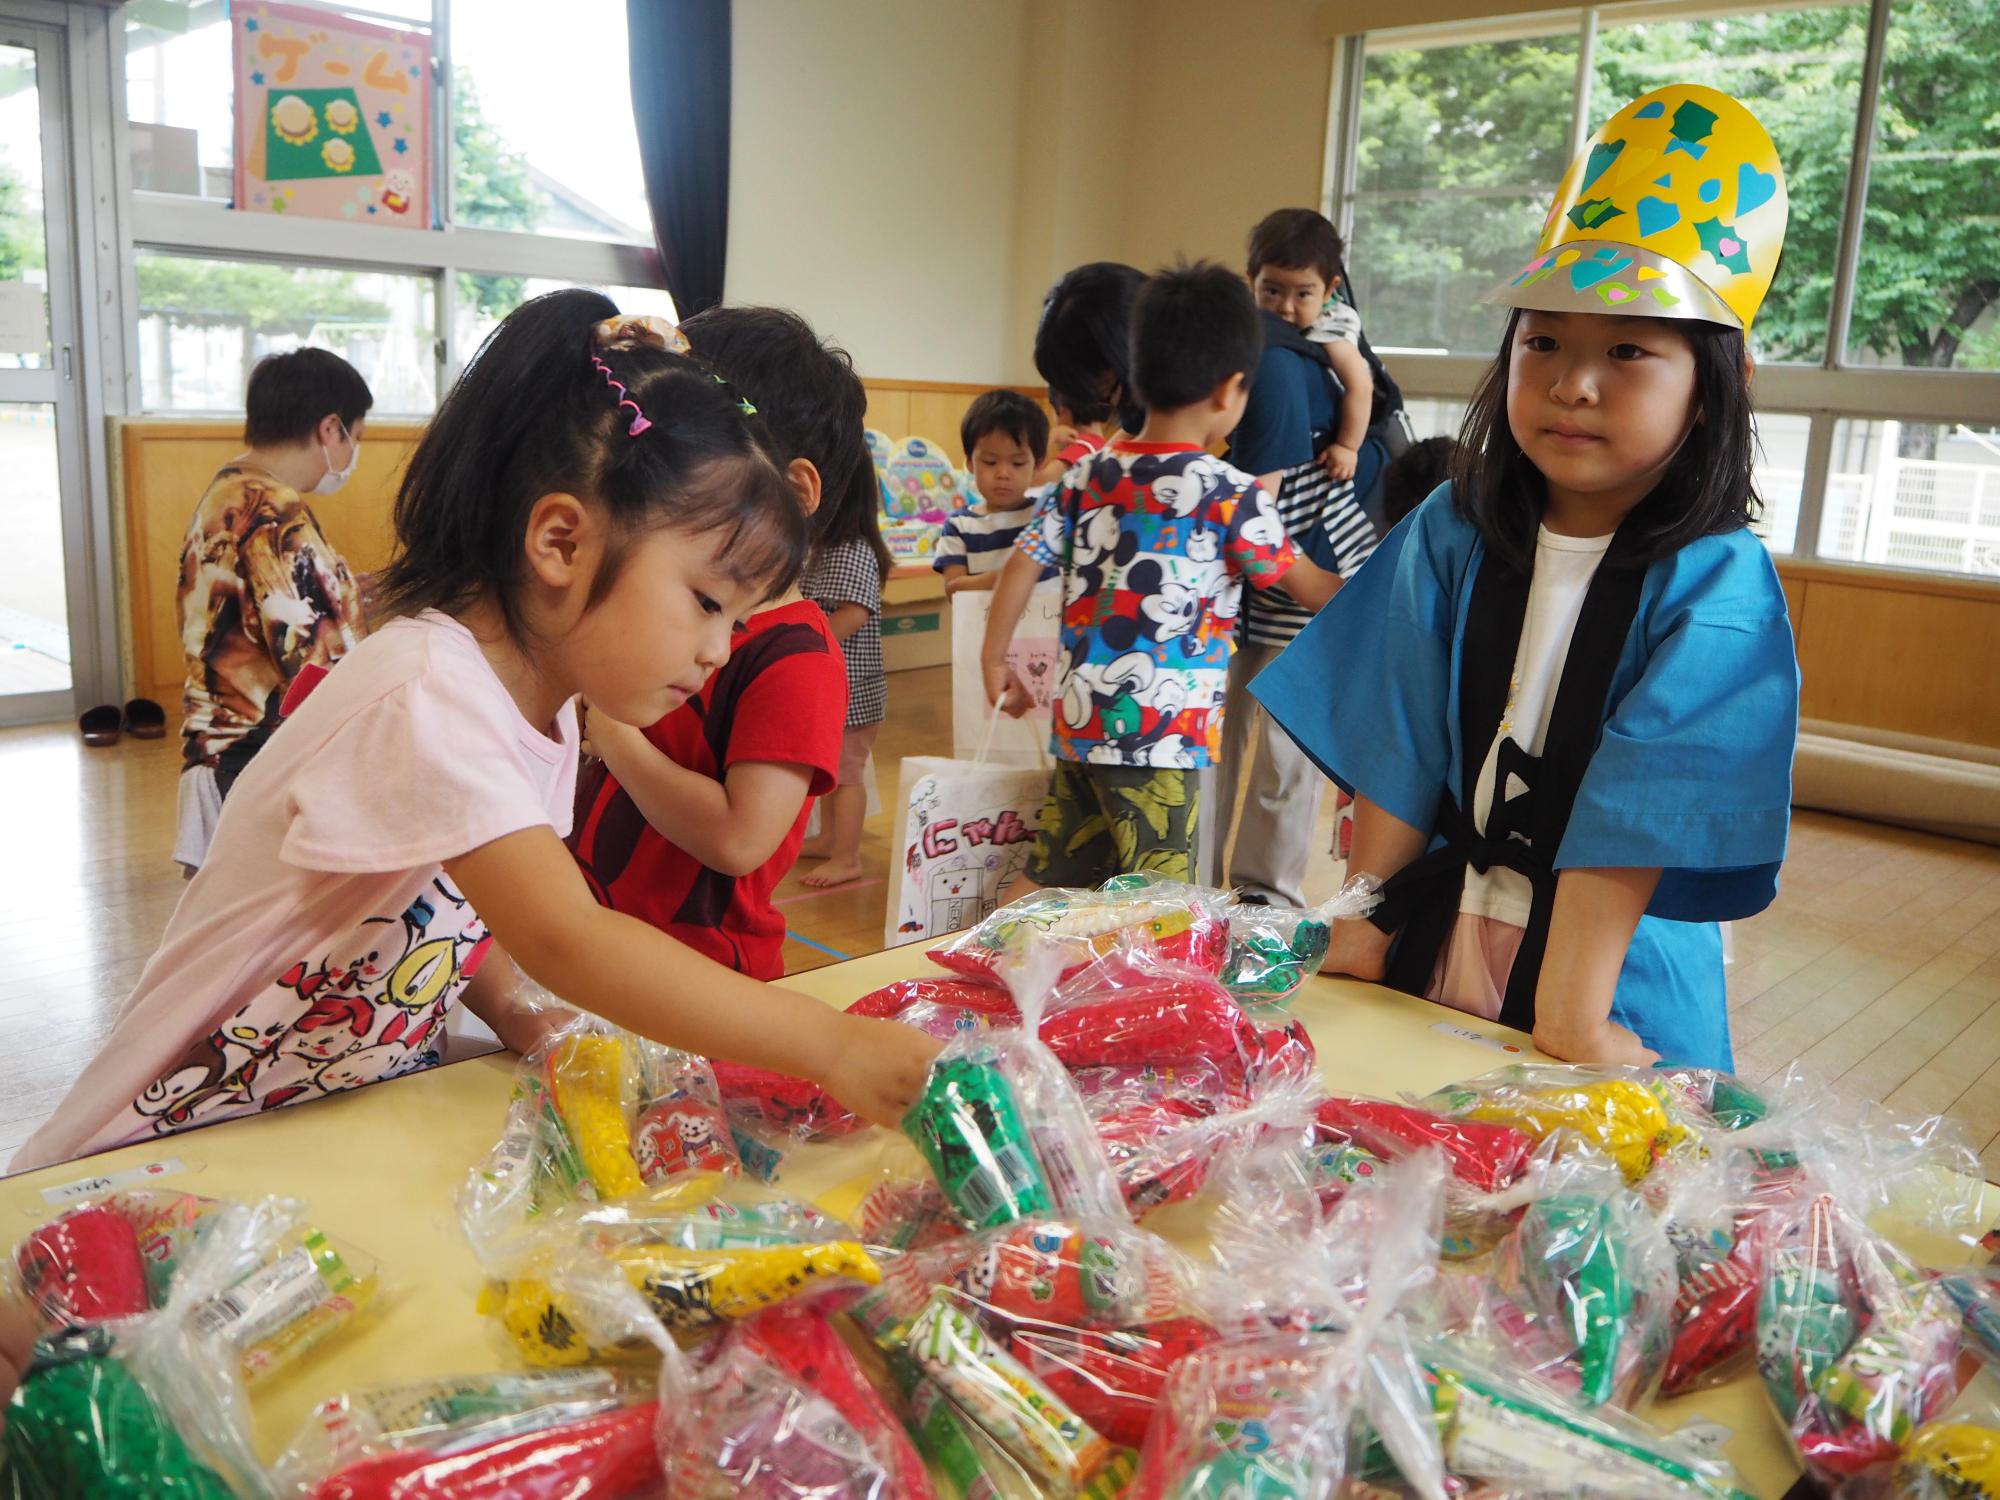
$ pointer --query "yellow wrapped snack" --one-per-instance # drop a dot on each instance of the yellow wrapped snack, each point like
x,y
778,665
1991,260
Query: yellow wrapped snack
x,y
586,1074
1951,1461
1623,1118
684,1289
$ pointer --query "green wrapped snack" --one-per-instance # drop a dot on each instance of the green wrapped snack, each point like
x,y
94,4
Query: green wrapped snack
x,y
82,1428
969,1126
1572,1262
1804,1325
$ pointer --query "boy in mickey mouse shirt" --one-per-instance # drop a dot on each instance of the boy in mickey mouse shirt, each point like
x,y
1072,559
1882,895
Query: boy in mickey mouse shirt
x,y
1153,539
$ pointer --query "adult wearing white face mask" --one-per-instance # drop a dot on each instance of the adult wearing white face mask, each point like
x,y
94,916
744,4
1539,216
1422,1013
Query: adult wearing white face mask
x,y
262,592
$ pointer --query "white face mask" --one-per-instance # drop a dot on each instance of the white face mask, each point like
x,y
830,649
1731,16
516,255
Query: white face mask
x,y
334,478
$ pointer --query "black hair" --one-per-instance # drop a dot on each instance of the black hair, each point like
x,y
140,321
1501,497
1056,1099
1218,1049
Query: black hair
x,y
1298,239
1193,327
532,415
1708,488
804,388
1009,413
1083,345
1413,474
291,394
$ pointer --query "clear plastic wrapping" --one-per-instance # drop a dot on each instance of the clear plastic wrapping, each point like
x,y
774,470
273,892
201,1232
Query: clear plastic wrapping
x,y
1035,1352
692,1267
1317,1380
118,1256
1179,923
1857,1348
779,1408
1002,1126
597,1115
1579,1292
1956,1457
1628,1114
152,1406
1275,949
573,1434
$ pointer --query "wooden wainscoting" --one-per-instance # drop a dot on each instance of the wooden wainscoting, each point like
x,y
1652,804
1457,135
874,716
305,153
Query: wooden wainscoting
x,y
1916,653
166,464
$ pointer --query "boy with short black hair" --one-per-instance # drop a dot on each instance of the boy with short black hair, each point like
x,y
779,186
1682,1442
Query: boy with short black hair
x,y
1004,435
1301,433
691,823
1154,539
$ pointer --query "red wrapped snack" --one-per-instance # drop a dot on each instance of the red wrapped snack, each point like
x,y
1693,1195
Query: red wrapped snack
x,y
805,1346
1483,1156
84,1267
610,1456
894,1001
1177,923
1112,1378
797,1106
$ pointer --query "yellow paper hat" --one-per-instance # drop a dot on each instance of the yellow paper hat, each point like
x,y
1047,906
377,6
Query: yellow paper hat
x,y
1676,209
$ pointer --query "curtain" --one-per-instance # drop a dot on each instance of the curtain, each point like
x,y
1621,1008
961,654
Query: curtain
x,y
680,102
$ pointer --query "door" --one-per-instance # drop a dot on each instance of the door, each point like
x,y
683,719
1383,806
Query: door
x,y
44,580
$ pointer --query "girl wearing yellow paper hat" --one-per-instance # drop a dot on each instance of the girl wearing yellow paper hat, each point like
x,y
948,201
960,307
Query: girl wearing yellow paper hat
x,y
1563,691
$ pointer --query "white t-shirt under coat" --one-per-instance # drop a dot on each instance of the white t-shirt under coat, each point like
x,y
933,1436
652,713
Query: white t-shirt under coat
x,y
1564,566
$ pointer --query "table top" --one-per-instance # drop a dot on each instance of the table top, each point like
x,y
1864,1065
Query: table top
x,y
380,1166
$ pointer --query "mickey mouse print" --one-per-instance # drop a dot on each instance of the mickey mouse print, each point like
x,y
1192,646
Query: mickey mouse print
x,y
1154,542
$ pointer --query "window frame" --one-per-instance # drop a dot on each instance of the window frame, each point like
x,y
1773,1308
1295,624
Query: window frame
x,y
203,227
1828,392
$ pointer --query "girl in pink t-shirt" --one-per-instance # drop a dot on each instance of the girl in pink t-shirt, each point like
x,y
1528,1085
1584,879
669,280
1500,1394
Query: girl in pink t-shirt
x,y
590,513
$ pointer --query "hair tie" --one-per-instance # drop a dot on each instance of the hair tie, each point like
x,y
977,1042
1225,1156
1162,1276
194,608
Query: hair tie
x,y
632,330
640,421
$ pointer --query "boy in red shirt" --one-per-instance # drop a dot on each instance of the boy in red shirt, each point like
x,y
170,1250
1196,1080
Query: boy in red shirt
x,y
692,823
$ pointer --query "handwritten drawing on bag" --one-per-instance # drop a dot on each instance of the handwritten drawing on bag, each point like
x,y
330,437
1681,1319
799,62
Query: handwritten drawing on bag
x,y
965,832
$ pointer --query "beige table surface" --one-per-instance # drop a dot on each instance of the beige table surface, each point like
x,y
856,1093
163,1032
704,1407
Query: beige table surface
x,y
379,1166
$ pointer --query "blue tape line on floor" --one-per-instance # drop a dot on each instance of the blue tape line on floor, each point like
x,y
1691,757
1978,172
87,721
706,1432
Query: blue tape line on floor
x,y
819,947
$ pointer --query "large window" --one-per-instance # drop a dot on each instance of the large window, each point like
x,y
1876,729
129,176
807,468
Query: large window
x,y
543,136
1866,453
541,187
1458,152
1929,290
204,323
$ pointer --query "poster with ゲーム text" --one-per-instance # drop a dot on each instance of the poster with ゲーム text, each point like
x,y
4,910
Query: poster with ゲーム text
x,y
332,117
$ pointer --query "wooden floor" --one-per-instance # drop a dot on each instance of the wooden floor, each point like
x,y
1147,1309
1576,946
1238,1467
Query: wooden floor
x,y
1878,970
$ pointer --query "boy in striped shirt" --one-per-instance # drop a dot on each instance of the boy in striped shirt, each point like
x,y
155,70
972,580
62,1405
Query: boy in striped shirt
x,y
1005,436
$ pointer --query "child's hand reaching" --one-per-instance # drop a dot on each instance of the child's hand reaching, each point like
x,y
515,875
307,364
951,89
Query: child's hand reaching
x,y
1340,461
879,1071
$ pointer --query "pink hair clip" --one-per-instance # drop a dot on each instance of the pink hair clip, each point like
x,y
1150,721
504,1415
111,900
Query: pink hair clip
x,y
640,421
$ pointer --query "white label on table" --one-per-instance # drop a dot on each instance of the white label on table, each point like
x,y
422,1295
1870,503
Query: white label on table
x,y
90,1186
1479,1038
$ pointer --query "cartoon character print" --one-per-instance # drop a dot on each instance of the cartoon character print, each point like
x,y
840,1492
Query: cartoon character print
x,y
330,1024
682,1134
957,895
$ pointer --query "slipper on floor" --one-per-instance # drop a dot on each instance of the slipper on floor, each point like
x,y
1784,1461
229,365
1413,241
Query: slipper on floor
x,y
145,720
100,725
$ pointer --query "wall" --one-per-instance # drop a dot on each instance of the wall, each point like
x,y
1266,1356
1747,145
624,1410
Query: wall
x,y
1228,124
873,178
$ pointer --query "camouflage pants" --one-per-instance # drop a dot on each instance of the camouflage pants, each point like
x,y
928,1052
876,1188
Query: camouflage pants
x,y
1101,821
